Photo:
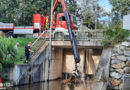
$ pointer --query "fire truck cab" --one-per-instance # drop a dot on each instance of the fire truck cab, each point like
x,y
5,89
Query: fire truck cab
x,y
59,26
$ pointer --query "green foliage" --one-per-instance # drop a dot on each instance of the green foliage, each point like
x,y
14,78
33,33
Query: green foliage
x,y
99,25
114,36
72,6
91,11
121,7
103,77
0,67
87,21
8,54
116,23
21,11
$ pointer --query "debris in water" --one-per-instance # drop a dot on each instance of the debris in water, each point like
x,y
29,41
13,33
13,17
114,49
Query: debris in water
x,y
73,79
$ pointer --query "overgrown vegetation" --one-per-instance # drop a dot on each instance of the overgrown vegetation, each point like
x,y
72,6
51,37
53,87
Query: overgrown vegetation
x,y
90,12
21,11
103,77
8,54
114,36
120,7
0,67
115,33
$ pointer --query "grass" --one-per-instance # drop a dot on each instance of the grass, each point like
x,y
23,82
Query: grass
x,y
18,56
19,62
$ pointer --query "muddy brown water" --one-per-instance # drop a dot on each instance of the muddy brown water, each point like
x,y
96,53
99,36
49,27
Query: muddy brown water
x,y
56,85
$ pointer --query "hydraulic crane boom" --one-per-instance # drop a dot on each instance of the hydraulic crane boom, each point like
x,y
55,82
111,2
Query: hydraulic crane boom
x,y
71,35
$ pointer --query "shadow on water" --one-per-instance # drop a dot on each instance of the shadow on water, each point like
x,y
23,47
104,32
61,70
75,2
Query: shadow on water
x,y
56,85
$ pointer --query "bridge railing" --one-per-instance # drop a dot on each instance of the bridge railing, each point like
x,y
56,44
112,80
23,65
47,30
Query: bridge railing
x,y
89,35
80,35
39,42
86,35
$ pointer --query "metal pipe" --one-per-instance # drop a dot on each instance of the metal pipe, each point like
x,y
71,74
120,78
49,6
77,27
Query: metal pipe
x,y
51,29
72,38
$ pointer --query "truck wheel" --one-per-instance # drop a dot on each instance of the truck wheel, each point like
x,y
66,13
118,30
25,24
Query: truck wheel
x,y
9,34
59,36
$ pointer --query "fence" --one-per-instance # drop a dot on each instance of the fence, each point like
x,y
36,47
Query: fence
x,y
82,35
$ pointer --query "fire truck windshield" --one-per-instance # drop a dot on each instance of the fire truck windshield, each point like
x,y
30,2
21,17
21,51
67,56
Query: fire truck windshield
x,y
73,19
62,18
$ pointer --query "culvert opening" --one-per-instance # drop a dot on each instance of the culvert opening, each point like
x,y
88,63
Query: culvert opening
x,y
90,58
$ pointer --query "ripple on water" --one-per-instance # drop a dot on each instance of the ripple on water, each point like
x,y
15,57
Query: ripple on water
x,y
57,85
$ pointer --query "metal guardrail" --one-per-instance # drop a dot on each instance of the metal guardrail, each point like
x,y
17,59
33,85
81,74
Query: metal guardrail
x,y
85,35
89,35
81,35
39,42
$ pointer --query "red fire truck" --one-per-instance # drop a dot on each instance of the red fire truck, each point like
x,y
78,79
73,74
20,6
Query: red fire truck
x,y
39,22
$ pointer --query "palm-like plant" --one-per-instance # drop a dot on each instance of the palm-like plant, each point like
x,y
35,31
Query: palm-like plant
x,y
7,52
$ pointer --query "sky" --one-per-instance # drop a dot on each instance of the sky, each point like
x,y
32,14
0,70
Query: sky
x,y
106,5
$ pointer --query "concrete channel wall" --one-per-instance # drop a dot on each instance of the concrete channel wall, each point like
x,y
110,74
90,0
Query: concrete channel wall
x,y
34,72
44,69
103,67
90,58
102,73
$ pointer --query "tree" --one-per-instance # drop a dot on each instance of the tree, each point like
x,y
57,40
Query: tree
x,y
120,7
21,11
90,12
72,6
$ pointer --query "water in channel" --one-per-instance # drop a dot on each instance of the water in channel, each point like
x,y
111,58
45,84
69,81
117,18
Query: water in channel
x,y
57,85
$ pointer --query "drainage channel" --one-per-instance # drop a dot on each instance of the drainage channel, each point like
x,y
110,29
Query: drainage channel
x,y
57,85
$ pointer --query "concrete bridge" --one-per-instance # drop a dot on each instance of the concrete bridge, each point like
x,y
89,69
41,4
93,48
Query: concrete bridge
x,y
51,60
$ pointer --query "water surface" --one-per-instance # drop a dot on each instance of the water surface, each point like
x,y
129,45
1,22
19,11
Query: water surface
x,y
57,85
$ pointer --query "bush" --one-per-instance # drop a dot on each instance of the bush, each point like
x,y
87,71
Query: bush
x,y
0,67
114,36
7,52
8,55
